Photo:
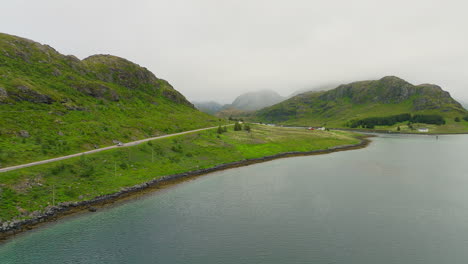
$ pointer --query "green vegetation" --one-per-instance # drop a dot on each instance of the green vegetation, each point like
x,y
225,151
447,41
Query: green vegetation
x,y
389,96
24,191
52,105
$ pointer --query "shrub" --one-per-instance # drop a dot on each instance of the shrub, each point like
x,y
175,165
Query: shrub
x,y
177,148
457,119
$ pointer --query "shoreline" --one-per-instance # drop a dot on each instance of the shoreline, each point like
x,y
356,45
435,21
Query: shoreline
x,y
9,229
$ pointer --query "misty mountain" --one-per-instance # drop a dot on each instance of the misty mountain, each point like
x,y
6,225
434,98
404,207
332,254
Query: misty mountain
x,y
464,103
255,100
243,103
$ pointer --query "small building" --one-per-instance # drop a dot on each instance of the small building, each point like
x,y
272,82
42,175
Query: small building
x,y
321,128
310,128
423,130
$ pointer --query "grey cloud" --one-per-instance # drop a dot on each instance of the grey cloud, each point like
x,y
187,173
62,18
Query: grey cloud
x,y
215,50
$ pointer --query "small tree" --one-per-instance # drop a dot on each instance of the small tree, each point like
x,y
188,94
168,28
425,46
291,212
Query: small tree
x,y
237,127
220,130
398,128
457,119
224,129
247,127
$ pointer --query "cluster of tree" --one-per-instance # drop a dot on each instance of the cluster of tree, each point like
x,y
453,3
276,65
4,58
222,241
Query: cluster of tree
x,y
237,126
428,119
222,129
371,122
465,118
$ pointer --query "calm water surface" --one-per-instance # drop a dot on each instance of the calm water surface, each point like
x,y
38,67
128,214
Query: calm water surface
x,y
404,199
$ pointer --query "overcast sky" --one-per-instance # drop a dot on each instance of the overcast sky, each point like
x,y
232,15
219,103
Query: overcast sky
x,y
217,49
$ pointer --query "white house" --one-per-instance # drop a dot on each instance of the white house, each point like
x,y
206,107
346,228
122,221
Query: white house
x,y
424,130
321,128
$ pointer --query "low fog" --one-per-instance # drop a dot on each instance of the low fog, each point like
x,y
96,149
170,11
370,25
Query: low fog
x,y
216,50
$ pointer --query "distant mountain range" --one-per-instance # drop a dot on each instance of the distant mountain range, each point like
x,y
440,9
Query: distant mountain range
x,y
244,103
210,107
387,96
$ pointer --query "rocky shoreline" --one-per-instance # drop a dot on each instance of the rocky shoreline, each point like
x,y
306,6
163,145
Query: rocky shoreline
x,y
52,213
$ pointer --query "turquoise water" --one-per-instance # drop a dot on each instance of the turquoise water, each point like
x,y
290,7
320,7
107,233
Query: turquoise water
x,y
404,199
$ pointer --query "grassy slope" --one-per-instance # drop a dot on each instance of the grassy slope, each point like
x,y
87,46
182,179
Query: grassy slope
x,y
90,103
83,178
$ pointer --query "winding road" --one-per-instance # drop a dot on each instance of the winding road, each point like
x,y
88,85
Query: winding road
x,y
128,144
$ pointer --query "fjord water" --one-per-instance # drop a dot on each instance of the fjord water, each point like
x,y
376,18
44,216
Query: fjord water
x,y
404,199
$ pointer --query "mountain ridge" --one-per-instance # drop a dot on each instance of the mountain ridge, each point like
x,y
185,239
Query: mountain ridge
x,y
389,95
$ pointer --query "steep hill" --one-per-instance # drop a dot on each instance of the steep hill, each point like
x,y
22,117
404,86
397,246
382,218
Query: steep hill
x,y
52,104
385,97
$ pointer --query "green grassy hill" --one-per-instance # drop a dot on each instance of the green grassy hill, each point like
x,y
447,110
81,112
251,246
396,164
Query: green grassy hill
x,y
52,104
360,100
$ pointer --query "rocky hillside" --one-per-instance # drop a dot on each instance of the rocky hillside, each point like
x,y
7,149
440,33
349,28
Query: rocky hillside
x,y
52,104
387,96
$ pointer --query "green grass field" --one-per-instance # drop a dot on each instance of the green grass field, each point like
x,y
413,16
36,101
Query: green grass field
x,y
27,190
